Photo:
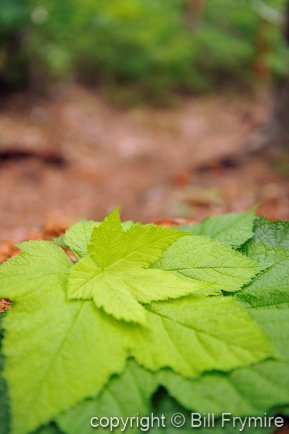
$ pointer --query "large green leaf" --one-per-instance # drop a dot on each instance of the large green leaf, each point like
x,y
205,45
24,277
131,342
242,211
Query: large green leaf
x,y
244,391
47,336
182,337
229,229
47,357
199,258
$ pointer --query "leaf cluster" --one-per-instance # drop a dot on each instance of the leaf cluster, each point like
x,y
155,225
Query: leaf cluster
x,y
199,312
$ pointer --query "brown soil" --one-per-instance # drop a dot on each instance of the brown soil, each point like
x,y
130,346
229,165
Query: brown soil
x,y
73,156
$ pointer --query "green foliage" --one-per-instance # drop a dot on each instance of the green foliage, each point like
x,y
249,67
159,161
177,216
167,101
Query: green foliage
x,y
125,395
274,234
115,273
199,258
212,352
4,406
232,229
264,386
146,46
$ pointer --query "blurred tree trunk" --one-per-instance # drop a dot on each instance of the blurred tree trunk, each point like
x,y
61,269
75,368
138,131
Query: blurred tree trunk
x,y
276,132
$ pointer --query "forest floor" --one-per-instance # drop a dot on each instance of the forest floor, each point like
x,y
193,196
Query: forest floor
x,y
73,155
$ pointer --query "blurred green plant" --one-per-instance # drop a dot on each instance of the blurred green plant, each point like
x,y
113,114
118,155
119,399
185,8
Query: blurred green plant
x,y
145,46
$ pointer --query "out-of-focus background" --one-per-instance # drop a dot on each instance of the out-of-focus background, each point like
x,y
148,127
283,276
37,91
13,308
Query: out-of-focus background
x,y
168,108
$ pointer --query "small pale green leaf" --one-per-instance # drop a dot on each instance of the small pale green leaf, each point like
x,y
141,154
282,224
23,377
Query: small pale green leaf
x,y
229,229
118,292
109,292
78,237
59,241
139,246
199,258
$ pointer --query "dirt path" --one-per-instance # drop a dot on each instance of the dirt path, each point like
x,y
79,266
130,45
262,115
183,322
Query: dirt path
x,y
74,156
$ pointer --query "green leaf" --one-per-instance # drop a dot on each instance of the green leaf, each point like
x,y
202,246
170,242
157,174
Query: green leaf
x,y
46,335
272,285
41,263
125,395
59,241
202,259
167,406
182,337
229,229
252,390
120,293
115,275
44,386
274,321
275,234
78,237
139,246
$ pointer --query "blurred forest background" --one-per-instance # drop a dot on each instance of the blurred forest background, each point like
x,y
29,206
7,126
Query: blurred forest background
x,y
163,107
